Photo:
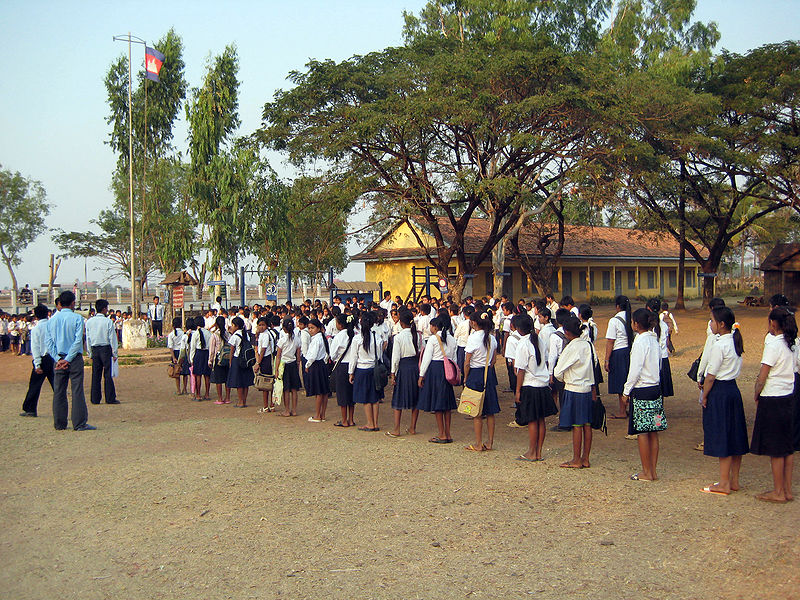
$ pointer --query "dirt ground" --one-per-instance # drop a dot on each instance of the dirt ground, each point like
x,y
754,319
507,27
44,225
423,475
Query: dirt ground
x,y
175,499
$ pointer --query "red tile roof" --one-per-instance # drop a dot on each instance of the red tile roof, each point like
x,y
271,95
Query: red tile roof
x,y
580,242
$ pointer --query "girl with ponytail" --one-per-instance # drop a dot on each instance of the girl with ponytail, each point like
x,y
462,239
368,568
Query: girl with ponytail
x,y
481,351
340,348
405,372
364,353
724,424
774,397
662,331
619,339
316,368
288,354
436,394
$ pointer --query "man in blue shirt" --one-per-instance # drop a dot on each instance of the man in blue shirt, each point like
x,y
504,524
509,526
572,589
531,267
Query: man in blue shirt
x,y
101,342
42,363
65,346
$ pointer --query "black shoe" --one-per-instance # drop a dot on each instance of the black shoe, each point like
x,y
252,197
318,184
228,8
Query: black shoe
x,y
86,427
60,428
113,402
559,428
27,414
93,402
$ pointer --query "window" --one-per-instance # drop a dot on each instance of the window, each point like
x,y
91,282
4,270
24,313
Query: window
x,y
651,278
524,284
554,282
673,278
591,280
631,280
452,272
690,278
581,281
606,280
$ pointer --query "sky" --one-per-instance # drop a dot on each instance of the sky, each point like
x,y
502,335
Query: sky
x,y
53,102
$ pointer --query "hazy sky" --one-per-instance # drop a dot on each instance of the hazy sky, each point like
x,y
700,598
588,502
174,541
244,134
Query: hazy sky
x,y
53,102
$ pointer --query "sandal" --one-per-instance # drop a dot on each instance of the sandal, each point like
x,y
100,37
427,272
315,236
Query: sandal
x,y
436,440
472,448
393,435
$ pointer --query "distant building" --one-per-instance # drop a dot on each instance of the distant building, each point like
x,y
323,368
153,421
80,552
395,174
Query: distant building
x,y
598,262
782,271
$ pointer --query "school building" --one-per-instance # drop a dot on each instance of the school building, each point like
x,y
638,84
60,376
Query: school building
x,y
597,262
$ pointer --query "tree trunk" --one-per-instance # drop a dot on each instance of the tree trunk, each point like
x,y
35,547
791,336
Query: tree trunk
x,y
7,260
498,267
458,287
54,265
741,264
708,284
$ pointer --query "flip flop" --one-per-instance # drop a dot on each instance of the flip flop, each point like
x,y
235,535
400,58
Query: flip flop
x,y
339,424
520,457
365,429
436,440
567,465
472,448
392,435
613,416
708,490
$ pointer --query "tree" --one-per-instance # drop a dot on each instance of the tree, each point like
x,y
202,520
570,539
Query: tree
x,y
23,208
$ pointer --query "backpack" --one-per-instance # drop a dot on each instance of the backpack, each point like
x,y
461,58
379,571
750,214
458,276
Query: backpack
x,y
247,354
223,358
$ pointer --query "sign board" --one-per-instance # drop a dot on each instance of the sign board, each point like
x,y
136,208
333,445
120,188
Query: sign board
x,y
712,275
216,282
271,292
443,285
177,296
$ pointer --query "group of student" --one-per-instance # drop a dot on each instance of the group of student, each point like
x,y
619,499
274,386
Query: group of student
x,y
15,333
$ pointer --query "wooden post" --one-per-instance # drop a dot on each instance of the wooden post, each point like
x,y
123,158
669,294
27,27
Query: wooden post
x,y
638,280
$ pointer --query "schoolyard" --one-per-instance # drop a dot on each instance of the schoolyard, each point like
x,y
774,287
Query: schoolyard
x,y
175,499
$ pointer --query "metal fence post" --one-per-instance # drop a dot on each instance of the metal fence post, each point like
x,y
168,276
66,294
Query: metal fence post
x,y
241,286
289,286
330,285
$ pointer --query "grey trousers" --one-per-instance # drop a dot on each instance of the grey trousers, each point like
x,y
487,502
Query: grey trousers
x,y
73,376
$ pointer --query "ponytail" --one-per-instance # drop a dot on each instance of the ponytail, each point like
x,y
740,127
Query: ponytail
x,y
406,317
484,322
786,323
623,303
524,325
316,323
366,328
724,315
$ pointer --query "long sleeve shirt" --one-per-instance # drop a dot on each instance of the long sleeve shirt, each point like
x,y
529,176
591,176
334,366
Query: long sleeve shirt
x,y
575,368
100,332
358,357
39,342
316,350
433,351
645,362
66,335
403,347
339,346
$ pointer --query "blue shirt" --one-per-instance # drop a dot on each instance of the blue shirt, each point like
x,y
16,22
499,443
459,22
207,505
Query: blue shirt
x,y
66,335
39,342
100,332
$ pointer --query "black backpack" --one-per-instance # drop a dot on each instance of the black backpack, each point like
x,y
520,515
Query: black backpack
x,y
247,354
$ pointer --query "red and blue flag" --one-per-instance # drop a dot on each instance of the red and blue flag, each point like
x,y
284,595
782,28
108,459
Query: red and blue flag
x,y
153,59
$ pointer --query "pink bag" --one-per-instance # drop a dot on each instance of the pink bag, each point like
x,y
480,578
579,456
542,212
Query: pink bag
x,y
451,371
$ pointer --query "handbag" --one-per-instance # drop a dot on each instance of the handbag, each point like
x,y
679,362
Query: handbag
x,y
264,383
174,369
692,372
277,385
471,401
648,415
380,373
598,409
332,375
451,371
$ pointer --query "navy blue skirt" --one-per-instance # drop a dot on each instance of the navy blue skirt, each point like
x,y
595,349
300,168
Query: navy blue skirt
x,y
291,377
406,391
317,379
200,363
491,404
724,423
344,389
461,354
665,375
436,395
576,409
238,377
364,387
773,429
184,364
796,412
265,366
535,403
618,365
219,374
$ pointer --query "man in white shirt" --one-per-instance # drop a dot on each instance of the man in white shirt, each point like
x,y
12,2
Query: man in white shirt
x,y
101,342
386,303
156,315
42,363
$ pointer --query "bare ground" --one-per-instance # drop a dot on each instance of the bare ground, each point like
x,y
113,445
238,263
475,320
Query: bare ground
x,y
175,499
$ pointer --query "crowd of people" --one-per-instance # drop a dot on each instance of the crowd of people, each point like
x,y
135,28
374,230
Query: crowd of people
x,y
427,350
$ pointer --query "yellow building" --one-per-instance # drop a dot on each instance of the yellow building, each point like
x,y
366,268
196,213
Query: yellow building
x,y
597,262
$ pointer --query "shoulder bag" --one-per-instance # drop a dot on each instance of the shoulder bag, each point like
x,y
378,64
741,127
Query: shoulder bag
x,y
332,375
451,371
471,401
247,354
380,373
598,409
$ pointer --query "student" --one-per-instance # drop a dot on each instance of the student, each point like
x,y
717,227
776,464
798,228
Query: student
x,y
364,353
240,377
711,339
436,394
13,332
42,363
340,348
511,339
198,356
576,368
724,423
101,343
423,320
155,314
175,341
619,338
665,374
405,373
5,340
568,303
643,389
289,355
672,325
533,398
317,383
590,331
774,397
462,334
557,342
267,341
546,328
550,302
218,363
481,351
305,340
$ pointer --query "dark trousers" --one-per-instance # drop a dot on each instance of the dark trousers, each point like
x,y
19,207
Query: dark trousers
x,y
101,367
5,342
73,377
31,402
158,327
512,375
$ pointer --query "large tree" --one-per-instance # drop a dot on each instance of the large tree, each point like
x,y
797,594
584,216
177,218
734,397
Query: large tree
x,y
23,208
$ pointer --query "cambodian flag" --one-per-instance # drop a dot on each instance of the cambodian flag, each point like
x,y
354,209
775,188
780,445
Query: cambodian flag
x,y
153,59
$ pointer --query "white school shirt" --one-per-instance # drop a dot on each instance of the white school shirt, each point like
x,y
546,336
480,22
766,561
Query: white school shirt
x,y
330,329
396,328
505,323
662,341
433,351
511,345
338,345
476,347
288,346
462,333
358,358
3,327
381,334
175,339
235,342
780,381
554,348
266,341
796,351
574,310
403,347
305,340
316,350
590,325
616,331
711,338
544,333
386,304
574,367
645,362
195,344
553,306
723,362
536,375
424,325
665,314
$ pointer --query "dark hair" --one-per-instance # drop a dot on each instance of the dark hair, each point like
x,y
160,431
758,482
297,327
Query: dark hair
x,y
220,322
264,320
288,326
101,305
778,300
484,321
664,306
66,298
442,326
302,321
509,307
724,315
654,304
176,323
366,327
715,302
586,313
406,317
515,320
573,325
567,301
545,312
238,322
467,310
347,326
646,319
316,323
524,325
786,323
40,311
622,302
562,314
425,309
